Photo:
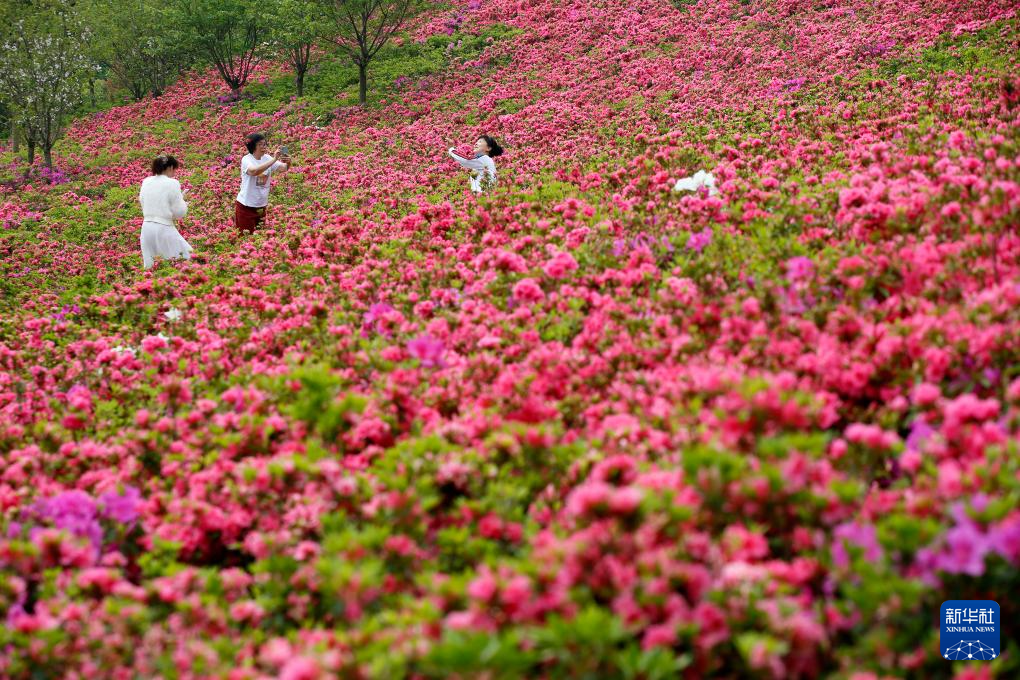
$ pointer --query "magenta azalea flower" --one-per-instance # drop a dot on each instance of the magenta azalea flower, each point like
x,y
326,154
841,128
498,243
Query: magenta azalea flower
x,y
121,507
74,511
965,551
428,350
699,240
860,535
799,268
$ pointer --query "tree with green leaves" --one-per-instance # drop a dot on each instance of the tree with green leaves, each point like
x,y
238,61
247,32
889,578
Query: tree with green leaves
x,y
297,26
132,39
363,27
43,73
232,34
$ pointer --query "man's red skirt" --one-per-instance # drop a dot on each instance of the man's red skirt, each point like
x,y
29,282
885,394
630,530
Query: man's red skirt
x,y
247,218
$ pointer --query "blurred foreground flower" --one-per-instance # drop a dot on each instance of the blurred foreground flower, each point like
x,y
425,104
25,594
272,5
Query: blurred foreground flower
x,y
427,349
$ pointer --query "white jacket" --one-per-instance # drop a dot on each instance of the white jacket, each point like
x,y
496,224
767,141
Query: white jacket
x,y
480,167
162,200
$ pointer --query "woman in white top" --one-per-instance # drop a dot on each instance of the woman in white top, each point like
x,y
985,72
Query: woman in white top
x,y
482,167
257,168
162,202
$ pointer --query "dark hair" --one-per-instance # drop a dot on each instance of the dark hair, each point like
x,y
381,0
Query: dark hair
x,y
252,140
494,148
164,162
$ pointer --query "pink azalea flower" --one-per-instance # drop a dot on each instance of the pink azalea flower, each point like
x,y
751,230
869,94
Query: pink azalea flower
x,y
527,290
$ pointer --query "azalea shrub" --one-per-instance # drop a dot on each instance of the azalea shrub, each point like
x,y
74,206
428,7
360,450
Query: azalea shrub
x,y
588,424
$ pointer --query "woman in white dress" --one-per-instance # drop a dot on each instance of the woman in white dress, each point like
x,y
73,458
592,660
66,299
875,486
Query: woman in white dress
x,y
482,167
162,202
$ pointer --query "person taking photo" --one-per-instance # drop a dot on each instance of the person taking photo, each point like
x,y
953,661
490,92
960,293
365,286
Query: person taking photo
x,y
257,169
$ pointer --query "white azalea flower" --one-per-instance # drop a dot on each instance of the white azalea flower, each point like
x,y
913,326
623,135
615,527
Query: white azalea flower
x,y
121,349
172,314
696,181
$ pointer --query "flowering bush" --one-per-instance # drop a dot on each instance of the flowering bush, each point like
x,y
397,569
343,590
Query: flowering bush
x,y
582,426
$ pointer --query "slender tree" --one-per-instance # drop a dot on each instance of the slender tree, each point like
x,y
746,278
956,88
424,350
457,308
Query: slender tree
x,y
232,34
297,25
363,27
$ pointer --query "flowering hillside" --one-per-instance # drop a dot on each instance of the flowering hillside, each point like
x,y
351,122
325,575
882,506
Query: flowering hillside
x,y
585,426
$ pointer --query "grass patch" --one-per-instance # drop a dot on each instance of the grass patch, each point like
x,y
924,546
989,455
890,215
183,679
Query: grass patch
x,y
83,223
333,82
992,47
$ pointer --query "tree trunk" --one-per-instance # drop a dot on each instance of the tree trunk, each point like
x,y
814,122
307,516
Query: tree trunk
x,y
363,82
15,137
31,150
48,156
299,81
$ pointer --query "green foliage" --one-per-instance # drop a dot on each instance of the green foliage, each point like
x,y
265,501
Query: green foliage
x,y
318,402
565,327
333,81
132,39
907,534
811,443
460,550
684,5
467,654
82,223
161,560
230,34
297,26
986,48
593,644
272,592
748,643
363,27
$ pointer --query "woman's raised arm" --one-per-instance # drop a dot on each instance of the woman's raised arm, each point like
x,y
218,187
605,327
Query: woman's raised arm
x,y
178,208
469,163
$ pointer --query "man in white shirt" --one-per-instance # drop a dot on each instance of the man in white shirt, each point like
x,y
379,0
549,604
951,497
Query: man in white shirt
x,y
257,169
